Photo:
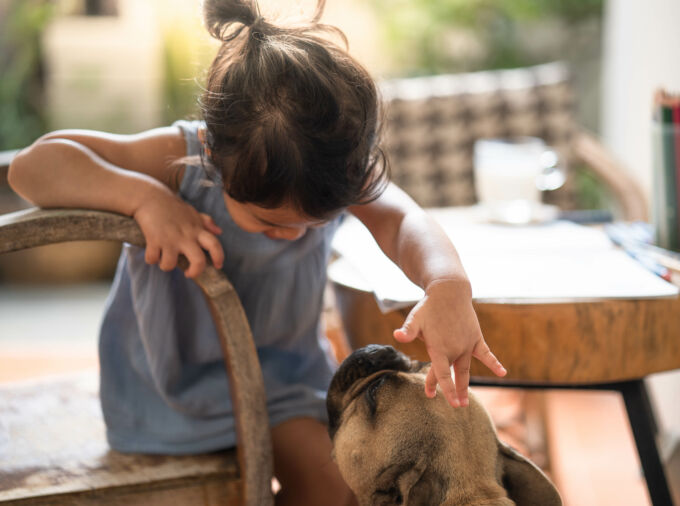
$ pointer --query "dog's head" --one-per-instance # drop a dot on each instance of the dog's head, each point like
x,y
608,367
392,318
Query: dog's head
x,y
394,446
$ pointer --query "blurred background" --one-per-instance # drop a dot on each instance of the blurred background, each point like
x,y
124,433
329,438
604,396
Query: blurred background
x,y
129,65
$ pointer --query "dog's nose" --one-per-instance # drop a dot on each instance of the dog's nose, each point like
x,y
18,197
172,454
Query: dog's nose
x,y
360,364
366,361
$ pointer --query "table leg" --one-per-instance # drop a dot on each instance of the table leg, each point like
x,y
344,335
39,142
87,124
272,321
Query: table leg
x,y
641,418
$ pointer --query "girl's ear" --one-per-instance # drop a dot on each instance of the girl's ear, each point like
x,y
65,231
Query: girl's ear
x,y
525,483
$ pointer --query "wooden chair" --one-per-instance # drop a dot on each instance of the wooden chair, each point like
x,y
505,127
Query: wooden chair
x,y
52,446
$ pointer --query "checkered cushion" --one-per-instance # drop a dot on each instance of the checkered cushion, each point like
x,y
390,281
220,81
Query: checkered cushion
x,y
432,123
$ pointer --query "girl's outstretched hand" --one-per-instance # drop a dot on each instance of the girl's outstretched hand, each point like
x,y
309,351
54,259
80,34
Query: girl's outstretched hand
x,y
172,227
446,321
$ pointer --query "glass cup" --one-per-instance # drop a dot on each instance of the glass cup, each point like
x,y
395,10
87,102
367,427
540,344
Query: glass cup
x,y
510,176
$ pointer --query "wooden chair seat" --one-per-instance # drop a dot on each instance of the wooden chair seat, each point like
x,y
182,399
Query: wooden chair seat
x,y
54,451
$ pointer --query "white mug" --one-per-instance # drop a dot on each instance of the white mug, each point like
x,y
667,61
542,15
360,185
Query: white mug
x,y
511,173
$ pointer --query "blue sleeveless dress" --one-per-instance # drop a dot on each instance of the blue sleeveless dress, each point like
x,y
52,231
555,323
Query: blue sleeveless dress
x,y
164,387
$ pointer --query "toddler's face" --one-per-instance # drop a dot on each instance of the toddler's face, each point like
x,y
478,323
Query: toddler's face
x,y
280,223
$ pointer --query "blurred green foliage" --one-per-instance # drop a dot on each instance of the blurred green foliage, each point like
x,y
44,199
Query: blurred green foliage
x,y
185,60
436,36
440,36
179,90
591,192
22,117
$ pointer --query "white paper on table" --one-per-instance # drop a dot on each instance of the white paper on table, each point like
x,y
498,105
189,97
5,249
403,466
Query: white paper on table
x,y
558,261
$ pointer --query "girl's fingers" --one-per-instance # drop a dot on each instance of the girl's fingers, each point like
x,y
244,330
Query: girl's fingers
x,y
188,239
152,254
482,352
210,243
410,329
461,368
430,384
168,259
210,224
196,259
442,370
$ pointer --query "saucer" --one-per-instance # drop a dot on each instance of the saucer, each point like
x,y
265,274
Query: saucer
x,y
519,212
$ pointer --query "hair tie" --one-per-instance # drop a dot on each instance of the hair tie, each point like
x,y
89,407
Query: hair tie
x,y
202,138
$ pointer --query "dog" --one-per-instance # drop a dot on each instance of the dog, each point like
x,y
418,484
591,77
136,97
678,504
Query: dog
x,y
395,446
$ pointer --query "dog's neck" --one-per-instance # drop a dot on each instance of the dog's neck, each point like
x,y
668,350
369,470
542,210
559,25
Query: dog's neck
x,y
500,501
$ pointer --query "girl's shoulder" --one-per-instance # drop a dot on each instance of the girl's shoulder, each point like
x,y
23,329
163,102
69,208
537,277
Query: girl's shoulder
x,y
197,185
192,131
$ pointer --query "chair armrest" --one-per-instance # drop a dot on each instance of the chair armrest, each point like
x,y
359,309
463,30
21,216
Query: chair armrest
x,y
625,188
36,227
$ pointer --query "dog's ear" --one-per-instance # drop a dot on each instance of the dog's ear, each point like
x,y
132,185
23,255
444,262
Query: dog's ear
x,y
427,490
409,484
524,481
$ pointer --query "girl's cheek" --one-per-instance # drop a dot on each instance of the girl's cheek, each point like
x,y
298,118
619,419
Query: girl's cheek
x,y
247,226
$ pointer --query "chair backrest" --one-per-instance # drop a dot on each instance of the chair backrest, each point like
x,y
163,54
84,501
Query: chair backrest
x,y
36,227
433,122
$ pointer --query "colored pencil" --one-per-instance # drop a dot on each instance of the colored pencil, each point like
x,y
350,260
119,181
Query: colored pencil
x,y
667,169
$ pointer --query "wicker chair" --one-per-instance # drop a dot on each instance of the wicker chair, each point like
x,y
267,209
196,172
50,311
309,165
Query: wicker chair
x,y
433,122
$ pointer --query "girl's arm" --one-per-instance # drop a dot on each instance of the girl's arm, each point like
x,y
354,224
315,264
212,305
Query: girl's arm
x,y
444,318
129,174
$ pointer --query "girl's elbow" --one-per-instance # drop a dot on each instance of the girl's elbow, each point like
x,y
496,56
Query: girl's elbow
x,y
21,167
19,175
15,171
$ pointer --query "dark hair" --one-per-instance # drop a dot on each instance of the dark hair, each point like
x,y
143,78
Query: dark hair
x,y
291,118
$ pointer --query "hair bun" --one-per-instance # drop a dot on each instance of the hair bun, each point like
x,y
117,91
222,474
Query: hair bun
x,y
219,15
257,22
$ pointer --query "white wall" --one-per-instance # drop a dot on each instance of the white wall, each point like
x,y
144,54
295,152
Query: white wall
x,y
105,72
641,53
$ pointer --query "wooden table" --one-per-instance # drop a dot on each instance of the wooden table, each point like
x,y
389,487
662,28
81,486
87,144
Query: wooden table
x,y
596,344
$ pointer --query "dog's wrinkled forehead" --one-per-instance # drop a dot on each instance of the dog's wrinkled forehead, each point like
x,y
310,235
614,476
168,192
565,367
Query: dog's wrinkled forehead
x,y
361,364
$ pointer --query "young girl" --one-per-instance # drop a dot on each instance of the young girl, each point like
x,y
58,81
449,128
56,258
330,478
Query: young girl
x,y
289,140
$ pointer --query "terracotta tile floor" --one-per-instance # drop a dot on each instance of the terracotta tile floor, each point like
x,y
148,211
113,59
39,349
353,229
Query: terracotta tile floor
x,y
582,439
593,454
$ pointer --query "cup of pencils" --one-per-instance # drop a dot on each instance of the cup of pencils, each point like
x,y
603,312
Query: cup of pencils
x,y
666,169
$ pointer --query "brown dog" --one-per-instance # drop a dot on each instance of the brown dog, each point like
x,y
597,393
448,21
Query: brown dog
x,y
394,446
